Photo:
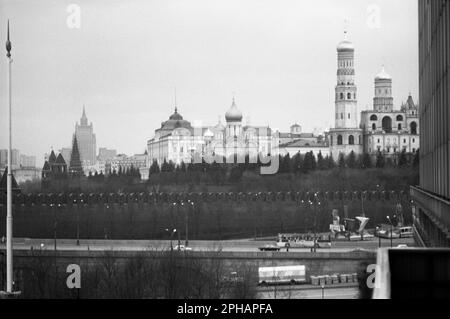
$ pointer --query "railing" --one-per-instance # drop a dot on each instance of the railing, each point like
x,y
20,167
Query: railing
x,y
434,206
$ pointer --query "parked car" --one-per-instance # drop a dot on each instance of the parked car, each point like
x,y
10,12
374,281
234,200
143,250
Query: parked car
x,y
269,248
182,247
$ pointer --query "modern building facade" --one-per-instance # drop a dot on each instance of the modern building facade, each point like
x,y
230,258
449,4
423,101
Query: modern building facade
x,y
346,136
87,143
432,197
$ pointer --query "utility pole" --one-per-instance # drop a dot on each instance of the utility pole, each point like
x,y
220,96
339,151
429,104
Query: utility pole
x,y
9,219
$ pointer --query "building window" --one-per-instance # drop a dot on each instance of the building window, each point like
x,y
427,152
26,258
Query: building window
x,y
351,140
348,115
342,96
339,140
378,141
413,126
374,126
399,118
404,140
387,124
374,118
342,116
414,140
349,96
399,126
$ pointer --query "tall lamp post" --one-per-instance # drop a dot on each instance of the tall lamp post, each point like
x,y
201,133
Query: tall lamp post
x,y
390,222
171,235
9,218
378,234
187,221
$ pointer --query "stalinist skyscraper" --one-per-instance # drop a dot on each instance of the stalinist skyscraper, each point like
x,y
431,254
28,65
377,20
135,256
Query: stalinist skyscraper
x,y
346,136
87,144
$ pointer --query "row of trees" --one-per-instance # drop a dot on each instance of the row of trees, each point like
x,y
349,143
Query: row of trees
x,y
299,163
172,275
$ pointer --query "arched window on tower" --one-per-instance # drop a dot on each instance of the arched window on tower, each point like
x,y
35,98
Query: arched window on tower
x,y
342,96
413,126
339,140
349,96
387,124
351,140
399,118
374,118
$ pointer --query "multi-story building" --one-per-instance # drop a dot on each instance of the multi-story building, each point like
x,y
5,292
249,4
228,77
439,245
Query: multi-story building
x,y
346,136
432,198
27,161
178,141
18,160
105,154
86,139
387,130
15,158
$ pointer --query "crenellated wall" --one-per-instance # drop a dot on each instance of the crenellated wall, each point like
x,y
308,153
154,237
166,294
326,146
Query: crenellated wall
x,y
208,215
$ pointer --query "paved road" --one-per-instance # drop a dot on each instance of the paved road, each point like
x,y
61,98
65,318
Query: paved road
x,y
297,292
199,245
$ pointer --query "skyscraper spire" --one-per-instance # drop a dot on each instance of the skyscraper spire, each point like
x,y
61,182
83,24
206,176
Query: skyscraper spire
x,y
84,120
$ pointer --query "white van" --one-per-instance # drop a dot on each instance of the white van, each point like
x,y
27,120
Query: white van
x,y
282,275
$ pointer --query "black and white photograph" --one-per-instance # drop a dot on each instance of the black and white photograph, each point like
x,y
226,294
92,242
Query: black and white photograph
x,y
224,155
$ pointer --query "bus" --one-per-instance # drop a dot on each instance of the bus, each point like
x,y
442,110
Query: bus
x,y
282,275
302,241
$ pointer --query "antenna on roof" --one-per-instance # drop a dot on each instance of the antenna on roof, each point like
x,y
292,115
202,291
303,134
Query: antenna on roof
x,y
175,98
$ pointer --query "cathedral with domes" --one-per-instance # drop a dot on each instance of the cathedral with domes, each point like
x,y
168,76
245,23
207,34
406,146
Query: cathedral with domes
x,y
382,129
178,141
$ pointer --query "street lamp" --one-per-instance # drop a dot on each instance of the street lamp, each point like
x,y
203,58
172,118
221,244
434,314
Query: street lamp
x,y
187,222
378,234
78,223
9,217
55,223
171,235
390,222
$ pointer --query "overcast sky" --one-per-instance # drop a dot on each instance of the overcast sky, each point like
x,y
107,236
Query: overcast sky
x,y
123,63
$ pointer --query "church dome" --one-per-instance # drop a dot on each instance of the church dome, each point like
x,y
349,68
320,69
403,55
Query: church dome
x,y
345,46
233,114
175,121
208,133
176,116
383,75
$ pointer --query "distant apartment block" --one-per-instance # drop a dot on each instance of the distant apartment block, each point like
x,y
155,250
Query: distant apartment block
x,y
18,160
